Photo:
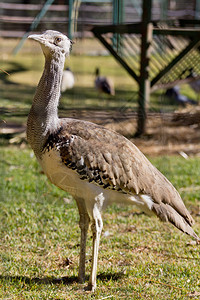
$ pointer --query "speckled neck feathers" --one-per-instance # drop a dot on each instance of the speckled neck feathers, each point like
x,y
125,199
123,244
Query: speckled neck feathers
x,y
43,118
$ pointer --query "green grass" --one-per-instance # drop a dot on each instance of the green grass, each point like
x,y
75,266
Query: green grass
x,y
140,257
25,70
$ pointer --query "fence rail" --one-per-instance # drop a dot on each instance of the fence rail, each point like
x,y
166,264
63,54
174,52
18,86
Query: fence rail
x,y
15,18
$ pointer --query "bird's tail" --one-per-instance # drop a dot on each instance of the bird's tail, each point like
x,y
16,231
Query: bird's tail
x,y
167,213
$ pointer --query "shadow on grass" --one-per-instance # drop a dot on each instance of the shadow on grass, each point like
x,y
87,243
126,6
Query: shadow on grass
x,y
63,280
14,68
45,280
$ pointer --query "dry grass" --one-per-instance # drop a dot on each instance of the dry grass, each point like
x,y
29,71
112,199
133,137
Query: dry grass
x,y
140,257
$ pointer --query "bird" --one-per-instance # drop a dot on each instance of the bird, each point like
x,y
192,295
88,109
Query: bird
x,y
175,95
97,166
67,80
195,84
103,84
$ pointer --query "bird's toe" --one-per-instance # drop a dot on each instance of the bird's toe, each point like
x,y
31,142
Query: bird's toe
x,y
90,287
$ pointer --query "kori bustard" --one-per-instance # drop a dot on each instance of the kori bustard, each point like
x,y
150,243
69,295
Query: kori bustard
x,y
95,165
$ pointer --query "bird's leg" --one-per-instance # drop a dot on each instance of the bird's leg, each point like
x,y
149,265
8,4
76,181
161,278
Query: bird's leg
x,y
96,227
84,224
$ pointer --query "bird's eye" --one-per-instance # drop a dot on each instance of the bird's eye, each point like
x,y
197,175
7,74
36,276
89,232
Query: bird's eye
x,y
57,40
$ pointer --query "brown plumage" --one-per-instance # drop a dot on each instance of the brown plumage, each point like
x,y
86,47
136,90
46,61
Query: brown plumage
x,y
96,165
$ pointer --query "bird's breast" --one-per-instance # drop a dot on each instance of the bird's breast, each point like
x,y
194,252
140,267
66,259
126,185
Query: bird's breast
x,y
58,173
68,180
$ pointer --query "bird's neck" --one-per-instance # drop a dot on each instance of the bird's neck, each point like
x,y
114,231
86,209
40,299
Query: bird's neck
x,y
46,99
43,116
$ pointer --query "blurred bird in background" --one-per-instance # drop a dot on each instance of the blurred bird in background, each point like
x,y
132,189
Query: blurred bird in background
x,y
175,95
68,80
103,84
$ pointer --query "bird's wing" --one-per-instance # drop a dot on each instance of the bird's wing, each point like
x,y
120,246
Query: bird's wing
x,y
105,85
111,161
102,84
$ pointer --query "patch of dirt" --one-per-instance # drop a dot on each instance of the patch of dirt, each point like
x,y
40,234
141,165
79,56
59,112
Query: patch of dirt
x,y
166,133
175,133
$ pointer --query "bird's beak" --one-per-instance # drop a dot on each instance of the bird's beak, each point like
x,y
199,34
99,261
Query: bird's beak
x,y
36,37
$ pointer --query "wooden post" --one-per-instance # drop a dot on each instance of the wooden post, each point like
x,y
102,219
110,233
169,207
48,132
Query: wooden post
x,y
144,82
70,23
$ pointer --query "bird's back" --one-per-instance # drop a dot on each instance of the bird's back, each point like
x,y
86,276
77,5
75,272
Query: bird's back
x,y
104,84
102,159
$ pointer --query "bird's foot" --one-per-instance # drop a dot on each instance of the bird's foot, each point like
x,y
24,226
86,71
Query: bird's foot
x,y
90,288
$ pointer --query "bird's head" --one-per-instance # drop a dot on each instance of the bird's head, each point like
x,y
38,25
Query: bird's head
x,y
53,42
97,71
